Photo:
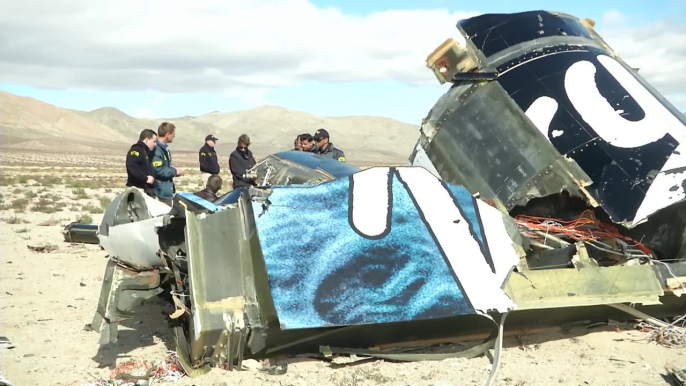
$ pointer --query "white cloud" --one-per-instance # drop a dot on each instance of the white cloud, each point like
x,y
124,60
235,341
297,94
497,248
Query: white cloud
x,y
212,45
657,49
144,112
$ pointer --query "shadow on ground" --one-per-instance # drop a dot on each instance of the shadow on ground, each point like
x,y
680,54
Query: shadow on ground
x,y
148,327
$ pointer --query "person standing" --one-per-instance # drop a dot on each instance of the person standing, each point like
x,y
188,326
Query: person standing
x,y
326,148
138,169
240,161
209,164
162,164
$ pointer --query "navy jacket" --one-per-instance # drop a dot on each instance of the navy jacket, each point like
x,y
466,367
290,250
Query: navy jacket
x,y
138,167
239,162
332,152
208,160
164,172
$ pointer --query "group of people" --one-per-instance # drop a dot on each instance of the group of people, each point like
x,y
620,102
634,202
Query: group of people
x,y
319,144
149,162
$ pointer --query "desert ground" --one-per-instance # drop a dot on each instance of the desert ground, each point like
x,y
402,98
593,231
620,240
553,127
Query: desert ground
x,y
46,300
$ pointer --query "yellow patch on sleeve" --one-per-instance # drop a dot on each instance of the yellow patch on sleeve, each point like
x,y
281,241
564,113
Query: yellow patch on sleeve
x,y
133,152
157,164
342,159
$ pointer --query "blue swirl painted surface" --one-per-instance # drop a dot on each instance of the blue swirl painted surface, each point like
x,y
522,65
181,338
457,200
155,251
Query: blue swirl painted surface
x,y
322,273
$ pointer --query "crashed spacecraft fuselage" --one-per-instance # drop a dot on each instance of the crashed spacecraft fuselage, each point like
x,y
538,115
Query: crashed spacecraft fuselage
x,y
557,110
325,258
326,247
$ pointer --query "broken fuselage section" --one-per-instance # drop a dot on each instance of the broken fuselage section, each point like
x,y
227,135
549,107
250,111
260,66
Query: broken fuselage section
x,y
350,260
544,117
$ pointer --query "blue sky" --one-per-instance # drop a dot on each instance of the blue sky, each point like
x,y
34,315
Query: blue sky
x,y
322,91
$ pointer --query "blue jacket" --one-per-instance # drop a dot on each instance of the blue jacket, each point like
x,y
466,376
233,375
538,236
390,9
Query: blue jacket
x,y
163,171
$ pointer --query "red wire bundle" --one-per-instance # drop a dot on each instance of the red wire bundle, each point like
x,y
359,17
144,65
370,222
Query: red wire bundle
x,y
584,228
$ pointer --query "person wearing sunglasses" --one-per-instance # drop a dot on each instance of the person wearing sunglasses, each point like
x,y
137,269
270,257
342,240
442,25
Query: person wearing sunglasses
x,y
240,161
326,148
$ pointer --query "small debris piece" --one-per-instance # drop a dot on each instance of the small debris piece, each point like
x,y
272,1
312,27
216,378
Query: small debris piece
x,y
43,248
679,375
5,343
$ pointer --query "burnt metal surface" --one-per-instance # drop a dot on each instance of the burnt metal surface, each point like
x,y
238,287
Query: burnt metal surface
x,y
476,136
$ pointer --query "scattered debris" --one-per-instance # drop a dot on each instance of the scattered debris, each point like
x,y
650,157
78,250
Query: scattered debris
x,y
679,374
5,343
672,335
136,373
43,248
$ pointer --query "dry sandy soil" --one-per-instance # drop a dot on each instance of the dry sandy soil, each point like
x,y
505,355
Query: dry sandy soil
x,y
46,299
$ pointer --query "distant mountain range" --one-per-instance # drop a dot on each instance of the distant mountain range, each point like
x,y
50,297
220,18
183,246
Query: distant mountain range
x,y
27,123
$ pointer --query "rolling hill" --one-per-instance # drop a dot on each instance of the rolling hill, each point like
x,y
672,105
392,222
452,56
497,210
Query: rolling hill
x,y
27,123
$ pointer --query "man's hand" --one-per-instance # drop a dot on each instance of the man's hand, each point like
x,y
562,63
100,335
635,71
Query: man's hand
x,y
150,180
179,172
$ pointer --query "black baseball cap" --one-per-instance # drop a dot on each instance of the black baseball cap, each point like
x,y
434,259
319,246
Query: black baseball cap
x,y
211,137
321,133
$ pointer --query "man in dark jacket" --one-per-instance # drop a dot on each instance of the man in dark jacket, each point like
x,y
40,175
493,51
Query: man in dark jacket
x,y
209,164
214,183
240,161
138,169
162,164
326,148
307,143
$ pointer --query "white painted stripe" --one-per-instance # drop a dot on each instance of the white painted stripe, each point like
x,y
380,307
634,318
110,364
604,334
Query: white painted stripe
x,y
500,244
583,92
541,113
667,188
453,234
370,203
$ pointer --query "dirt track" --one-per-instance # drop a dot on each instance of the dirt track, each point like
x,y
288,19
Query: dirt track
x,y
46,299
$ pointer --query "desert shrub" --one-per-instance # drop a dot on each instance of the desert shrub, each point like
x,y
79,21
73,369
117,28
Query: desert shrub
x,y
22,230
30,194
45,206
23,179
19,204
79,193
84,219
15,220
105,202
7,181
93,209
90,184
49,180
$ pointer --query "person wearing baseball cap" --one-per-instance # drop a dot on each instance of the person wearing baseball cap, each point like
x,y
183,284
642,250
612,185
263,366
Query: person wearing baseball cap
x,y
209,164
326,148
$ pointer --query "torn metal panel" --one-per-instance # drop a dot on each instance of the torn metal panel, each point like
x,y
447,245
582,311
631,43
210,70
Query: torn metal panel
x,y
122,292
476,136
558,288
591,106
384,245
224,281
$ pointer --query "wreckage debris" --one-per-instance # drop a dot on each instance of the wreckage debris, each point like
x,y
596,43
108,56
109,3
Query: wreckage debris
x,y
501,217
671,335
139,373
43,248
